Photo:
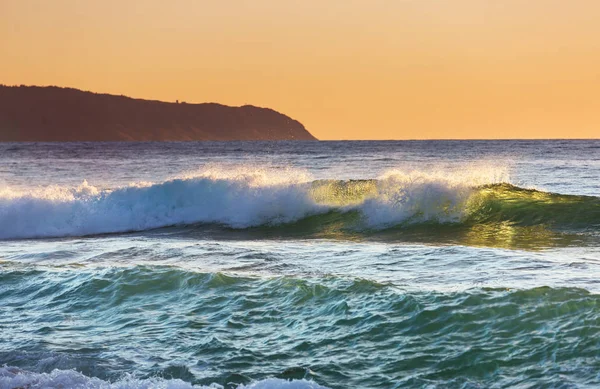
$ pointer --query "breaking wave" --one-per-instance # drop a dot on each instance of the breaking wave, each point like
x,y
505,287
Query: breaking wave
x,y
246,199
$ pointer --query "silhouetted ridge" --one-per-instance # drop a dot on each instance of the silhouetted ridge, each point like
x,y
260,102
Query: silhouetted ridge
x,y
30,113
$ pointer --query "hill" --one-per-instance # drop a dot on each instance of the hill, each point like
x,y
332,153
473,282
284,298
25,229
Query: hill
x,y
31,113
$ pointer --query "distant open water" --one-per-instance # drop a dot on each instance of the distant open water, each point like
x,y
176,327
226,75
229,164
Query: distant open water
x,y
438,264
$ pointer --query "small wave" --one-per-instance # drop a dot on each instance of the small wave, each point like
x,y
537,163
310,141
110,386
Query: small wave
x,y
13,377
241,200
322,318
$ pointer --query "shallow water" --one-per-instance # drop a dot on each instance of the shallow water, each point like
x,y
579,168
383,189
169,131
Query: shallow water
x,y
450,264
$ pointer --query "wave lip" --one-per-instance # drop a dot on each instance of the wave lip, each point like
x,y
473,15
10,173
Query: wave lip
x,y
251,199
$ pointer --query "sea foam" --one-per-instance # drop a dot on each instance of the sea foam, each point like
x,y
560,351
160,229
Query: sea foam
x,y
12,377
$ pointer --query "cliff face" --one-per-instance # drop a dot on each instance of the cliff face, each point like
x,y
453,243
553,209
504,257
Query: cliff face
x,y
29,113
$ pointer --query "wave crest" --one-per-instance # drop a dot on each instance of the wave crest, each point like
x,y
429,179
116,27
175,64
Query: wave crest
x,y
242,199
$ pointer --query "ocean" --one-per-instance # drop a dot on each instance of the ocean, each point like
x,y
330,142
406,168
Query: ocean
x,y
363,264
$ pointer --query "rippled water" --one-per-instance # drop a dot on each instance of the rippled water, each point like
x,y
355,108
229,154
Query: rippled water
x,y
300,265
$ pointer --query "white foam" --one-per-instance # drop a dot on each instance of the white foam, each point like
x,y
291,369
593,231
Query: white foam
x,y
236,198
424,196
12,377
237,202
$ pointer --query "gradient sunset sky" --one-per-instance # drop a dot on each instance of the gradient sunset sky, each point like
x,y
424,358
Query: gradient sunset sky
x,y
347,69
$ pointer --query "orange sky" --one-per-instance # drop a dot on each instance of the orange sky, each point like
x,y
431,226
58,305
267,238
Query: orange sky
x,y
347,69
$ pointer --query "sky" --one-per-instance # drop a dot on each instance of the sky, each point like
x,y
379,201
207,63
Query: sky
x,y
346,69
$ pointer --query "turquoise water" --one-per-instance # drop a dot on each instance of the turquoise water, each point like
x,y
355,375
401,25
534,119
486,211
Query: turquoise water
x,y
300,265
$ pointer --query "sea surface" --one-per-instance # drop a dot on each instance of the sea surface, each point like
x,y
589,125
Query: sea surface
x,y
409,264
